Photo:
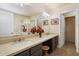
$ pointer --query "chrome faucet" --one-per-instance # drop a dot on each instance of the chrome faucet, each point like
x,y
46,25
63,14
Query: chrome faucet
x,y
20,39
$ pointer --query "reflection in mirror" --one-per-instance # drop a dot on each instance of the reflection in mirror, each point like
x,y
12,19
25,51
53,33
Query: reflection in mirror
x,y
6,23
26,26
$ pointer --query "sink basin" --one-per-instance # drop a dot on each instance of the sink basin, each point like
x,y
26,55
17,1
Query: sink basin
x,y
22,43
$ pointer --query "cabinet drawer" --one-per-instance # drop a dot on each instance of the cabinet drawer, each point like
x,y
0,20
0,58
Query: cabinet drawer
x,y
37,53
53,44
36,49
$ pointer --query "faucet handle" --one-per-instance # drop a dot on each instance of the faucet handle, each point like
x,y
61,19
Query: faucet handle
x,y
20,39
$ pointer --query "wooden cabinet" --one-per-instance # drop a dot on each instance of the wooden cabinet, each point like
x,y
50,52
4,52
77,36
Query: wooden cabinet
x,y
36,50
54,43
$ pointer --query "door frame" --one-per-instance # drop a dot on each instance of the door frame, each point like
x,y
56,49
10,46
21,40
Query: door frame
x,y
62,32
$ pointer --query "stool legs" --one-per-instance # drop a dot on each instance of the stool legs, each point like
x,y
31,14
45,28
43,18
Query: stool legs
x,y
45,52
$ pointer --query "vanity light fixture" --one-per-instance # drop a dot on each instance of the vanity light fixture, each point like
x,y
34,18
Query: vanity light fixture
x,y
21,4
24,4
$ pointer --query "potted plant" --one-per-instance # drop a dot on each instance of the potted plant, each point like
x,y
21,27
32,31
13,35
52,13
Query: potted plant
x,y
33,30
40,31
37,29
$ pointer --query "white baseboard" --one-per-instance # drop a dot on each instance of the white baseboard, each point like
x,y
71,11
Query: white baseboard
x,y
59,46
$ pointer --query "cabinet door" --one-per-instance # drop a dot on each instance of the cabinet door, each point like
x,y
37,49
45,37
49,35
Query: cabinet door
x,y
24,53
54,43
37,53
36,50
56,40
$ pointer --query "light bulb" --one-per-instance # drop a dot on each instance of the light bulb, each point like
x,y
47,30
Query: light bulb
x,y
21,4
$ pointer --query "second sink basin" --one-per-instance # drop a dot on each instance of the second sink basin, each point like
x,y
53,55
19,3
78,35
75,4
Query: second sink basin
x,y
22,43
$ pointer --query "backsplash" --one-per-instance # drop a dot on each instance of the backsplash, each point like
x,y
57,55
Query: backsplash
x,y
15,38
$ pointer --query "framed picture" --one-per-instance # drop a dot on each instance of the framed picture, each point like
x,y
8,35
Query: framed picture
x,y
45,22
55,21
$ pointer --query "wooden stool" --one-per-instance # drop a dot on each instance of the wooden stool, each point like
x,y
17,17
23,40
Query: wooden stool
x,y
45,50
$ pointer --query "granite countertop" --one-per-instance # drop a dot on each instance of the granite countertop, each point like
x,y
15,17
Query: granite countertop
x,y
14,48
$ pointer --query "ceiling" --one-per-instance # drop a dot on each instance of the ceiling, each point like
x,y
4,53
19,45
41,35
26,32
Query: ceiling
x,y
30,9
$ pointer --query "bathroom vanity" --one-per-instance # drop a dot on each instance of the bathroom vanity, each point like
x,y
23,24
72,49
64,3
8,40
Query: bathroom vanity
x,y
37,50
34,51
30,46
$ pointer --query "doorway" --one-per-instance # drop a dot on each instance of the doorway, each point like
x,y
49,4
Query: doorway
x,y
70,30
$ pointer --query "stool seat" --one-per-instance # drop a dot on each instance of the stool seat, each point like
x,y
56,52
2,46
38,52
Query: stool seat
x,y
45,48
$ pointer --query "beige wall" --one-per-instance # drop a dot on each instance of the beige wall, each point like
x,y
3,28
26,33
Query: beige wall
x,y
47,28
54,28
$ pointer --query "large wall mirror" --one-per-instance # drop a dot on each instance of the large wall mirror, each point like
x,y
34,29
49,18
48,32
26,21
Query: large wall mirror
x,y
6,23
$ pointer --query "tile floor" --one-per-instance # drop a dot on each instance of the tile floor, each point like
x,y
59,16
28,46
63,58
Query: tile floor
x,y
67,50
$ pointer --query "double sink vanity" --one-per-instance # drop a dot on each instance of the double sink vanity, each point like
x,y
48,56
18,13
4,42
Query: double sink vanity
x,y
31,46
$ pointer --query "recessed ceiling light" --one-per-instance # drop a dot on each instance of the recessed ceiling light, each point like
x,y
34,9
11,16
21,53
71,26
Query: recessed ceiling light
x,y
45,14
